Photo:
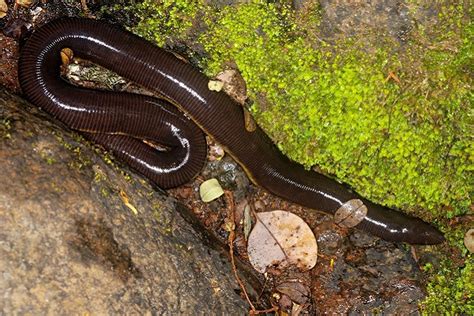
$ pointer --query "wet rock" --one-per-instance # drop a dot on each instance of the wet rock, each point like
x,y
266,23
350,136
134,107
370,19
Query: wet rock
x,y
329,241
353,18
361,239
367,275
229,174
77,237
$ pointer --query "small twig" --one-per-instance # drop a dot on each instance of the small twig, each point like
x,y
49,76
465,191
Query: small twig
x,y
231,228
393,76
85,9
264,311
414,254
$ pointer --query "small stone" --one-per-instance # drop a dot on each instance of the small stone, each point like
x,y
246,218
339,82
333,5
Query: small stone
x,y
469,240
351,213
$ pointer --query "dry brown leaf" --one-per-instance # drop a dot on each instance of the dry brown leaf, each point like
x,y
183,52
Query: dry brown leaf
x,y
233,84
296,291
280,239
469,240
24,3
3,8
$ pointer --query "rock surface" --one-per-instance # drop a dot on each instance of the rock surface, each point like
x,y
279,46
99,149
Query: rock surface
x,y
77,236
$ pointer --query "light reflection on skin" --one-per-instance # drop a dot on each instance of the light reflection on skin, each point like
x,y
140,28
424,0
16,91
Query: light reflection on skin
x,y
181,84
278,175
97,41
393,231
184,143
43,85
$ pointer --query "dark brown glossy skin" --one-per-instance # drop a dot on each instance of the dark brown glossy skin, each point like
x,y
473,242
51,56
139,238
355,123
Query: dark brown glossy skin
x,y
186,88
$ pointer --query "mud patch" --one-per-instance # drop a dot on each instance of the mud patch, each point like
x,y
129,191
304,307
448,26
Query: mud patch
x,y
95,243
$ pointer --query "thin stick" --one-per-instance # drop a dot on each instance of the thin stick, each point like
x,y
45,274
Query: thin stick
x,y
231,228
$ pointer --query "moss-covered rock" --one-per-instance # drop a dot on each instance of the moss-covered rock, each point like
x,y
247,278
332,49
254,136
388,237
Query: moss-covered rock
x,y
391,121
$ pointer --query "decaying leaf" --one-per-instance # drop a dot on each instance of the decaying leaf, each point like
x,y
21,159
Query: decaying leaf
x,y
3,8
296,291
67,56
250,124
469,240
24,3
280,239
234,85
215,85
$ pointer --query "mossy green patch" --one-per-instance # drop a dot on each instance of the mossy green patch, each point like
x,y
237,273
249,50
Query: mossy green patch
x,y
395,126
451,291
171,19
5,127
364,117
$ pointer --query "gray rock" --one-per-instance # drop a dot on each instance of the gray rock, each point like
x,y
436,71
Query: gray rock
x,y
71,244
351,18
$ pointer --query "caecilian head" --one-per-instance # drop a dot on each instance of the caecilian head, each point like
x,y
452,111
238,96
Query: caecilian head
x,y
396,226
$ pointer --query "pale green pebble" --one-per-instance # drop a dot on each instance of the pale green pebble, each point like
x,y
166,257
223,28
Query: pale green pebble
x,y
210,190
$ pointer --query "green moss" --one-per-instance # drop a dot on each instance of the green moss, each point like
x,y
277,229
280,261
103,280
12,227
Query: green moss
x,y
105,192
171,19
452,290
5,127
46,156
99,175
80,161
401,144
404,144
